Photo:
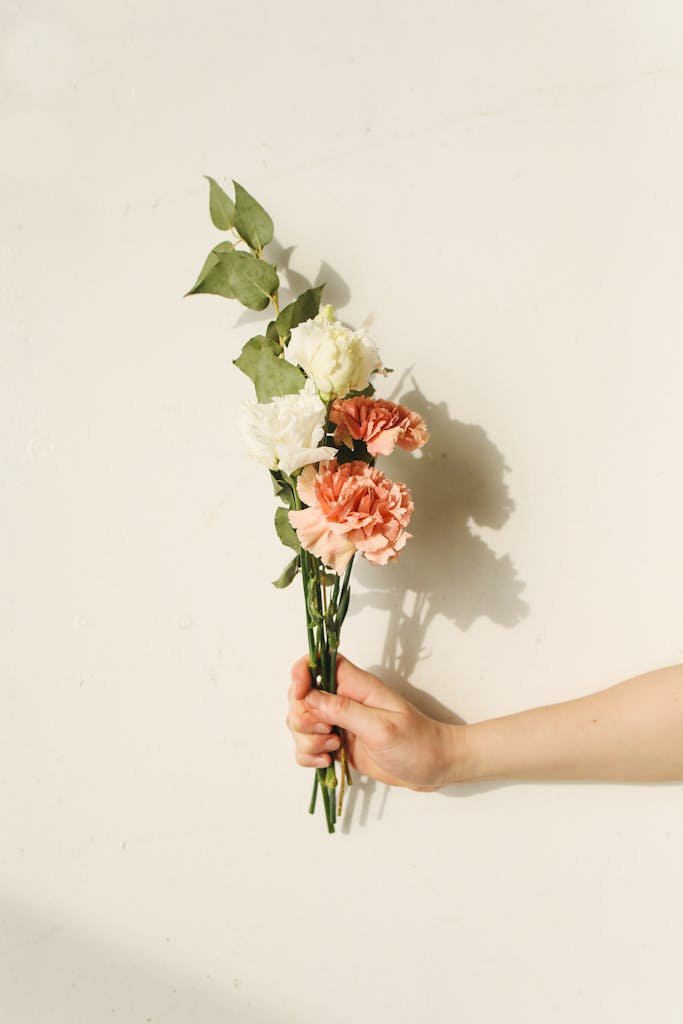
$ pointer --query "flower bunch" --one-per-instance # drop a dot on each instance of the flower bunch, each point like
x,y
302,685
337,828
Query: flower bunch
x,y
317,427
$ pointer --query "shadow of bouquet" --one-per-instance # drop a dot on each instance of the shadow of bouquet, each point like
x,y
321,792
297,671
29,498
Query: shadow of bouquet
x,y
458,483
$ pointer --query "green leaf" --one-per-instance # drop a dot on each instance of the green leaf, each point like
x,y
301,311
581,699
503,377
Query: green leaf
x,y
237,275
251,280
367,392
271,374
343,607
212,283
251,220
210,262
251,356
221,206
359,453
311,598
278,484
285,530
288,574
304,308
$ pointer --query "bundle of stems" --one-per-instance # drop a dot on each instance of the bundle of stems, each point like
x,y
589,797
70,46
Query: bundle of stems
x,y
325,616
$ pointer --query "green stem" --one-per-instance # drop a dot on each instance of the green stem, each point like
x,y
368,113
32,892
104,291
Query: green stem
x,y
347,576
320,660
305,576
335,593
328,800
311,806
344,597
333,671
315,567
310,629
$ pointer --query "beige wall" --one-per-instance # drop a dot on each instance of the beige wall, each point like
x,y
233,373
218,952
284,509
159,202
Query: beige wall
x,y
499,185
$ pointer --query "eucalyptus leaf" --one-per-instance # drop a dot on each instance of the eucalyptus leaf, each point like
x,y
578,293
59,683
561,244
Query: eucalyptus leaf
x,y
271,333
210,262
218,282
251,220
221,206
253,281
287,574
222,248
271,374
305,307
285,530
252,353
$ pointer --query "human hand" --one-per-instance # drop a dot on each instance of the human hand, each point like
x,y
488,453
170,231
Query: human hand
x,y
386,737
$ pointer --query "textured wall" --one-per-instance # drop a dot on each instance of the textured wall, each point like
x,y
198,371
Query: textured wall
x,y
499,186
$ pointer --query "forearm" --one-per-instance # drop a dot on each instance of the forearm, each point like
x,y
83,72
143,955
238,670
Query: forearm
x,y
631,732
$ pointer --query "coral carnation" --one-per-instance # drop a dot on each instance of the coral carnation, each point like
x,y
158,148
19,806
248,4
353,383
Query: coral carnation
x,y
353,507
379,423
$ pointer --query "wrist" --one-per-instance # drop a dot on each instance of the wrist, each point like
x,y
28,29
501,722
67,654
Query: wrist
x,y
459,756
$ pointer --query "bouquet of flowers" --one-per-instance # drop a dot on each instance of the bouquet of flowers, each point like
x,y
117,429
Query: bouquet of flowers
x,y
317,428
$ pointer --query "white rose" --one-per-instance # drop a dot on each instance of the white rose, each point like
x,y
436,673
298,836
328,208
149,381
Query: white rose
x,y
338,359
285,433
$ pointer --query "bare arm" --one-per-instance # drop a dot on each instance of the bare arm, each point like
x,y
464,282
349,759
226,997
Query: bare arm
x,y
630,732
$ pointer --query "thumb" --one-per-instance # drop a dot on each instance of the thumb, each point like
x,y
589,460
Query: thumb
x,y
366,722
365,687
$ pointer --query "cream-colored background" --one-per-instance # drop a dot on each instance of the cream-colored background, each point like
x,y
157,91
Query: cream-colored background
x,y
499,186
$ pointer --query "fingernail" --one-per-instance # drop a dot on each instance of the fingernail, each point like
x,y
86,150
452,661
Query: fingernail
x,y
314,698
321,727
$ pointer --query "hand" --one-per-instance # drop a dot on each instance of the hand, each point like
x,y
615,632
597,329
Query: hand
x,y
386,736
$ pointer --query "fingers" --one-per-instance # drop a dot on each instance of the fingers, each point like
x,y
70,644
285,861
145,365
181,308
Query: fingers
x,y
363,705
316,745
300,718
370,724
301,679
310,761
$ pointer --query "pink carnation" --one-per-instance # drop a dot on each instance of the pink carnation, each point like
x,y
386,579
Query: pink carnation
x,y
353,507
379,423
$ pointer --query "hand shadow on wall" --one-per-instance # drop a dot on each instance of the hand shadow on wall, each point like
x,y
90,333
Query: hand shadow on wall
x,y
446,569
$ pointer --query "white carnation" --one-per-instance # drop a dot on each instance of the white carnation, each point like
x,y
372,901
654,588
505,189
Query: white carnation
x,y
336,358
285,433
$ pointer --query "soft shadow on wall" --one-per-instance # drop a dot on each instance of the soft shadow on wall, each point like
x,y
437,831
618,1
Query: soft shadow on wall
x,y
292,283
446,568
58,971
